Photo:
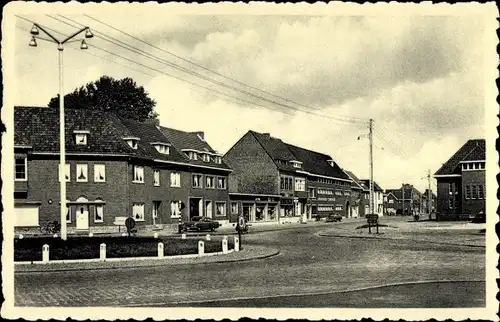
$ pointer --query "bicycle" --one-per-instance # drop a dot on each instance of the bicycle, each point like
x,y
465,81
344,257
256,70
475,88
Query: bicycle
x,y
50,227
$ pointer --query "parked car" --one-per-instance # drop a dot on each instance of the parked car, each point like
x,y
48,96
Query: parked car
x,y
200,223
334,218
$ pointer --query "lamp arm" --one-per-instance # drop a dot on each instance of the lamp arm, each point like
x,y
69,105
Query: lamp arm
x,y
47,33
74,35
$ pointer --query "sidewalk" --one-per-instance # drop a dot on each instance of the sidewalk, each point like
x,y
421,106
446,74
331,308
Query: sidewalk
x,y
247,253
448,233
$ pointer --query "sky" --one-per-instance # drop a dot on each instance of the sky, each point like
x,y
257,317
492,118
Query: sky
x,y
419,77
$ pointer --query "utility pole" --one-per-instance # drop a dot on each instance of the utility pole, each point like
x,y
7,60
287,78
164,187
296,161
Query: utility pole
x,y
429,194
371,167
403,197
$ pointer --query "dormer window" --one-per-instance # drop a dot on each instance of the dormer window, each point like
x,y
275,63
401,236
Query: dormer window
x,y
206,157
296,164
81,137
132,142
218,159
162,148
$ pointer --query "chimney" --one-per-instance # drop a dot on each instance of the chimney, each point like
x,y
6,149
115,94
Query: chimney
x,y
200,134
155,122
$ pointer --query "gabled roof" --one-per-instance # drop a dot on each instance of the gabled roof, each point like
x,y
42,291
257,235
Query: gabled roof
x,y
472,150
276,149
192,141
39,127
312,162
317,163
356,183
366,183
408,191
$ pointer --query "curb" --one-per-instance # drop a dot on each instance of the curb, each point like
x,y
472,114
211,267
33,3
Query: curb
x,y
391,238
148,262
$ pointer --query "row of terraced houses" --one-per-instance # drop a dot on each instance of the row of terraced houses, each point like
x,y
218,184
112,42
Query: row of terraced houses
x,y
159,176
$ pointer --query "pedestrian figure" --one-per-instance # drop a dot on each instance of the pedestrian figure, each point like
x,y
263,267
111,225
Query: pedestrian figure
x,y
240,227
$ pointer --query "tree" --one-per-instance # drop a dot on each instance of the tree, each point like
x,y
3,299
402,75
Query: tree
x,y
122,97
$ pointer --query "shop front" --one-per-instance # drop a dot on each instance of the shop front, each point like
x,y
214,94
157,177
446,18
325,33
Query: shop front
x,y
290,210
260,209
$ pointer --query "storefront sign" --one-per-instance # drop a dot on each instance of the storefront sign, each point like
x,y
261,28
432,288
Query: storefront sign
x,y
286,201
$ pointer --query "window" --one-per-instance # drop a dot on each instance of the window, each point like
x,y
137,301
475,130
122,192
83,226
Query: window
x,y
338,192
218,160
175,179
99,173
193,155
156,178
220,208
175,209
210,182
21,168
162,148
138,174
338,207
99,212
391,200
480,192
81,139
312,193
474,191
132,142
348,193
286,183
206,157
221,183
300,184
68,214
450,188
138,211
467,191
82,173
197,181
234,208
296,164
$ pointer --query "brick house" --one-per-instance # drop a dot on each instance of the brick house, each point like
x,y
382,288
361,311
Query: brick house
x,y
378,196
404,200
461,182
360,196
114,168
273,181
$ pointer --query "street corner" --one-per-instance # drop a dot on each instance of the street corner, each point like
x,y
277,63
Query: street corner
x,y
246,253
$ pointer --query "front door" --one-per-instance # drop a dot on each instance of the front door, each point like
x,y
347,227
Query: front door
x,y
82,217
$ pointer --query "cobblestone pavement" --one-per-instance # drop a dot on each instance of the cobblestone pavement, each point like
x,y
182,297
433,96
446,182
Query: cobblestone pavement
x,y
306,264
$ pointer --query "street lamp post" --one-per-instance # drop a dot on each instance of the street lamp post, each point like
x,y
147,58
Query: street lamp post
x,y
62,137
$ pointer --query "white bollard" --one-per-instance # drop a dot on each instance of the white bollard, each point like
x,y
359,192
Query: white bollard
x,y
45,253
91,234
236,244
160,250
201,248
155,235
21,236
207,237
102,252
224,246
184,236
55,235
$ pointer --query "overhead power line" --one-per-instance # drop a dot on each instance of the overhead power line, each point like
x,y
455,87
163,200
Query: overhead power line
x,y
210,70
175,66
181,79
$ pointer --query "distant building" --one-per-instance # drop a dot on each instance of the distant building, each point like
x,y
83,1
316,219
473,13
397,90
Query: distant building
x,y
461,182
360,196
378,196
114,168
404,200
273,181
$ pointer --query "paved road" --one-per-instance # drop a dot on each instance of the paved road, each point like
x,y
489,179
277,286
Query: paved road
x,y
307,264
429,295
